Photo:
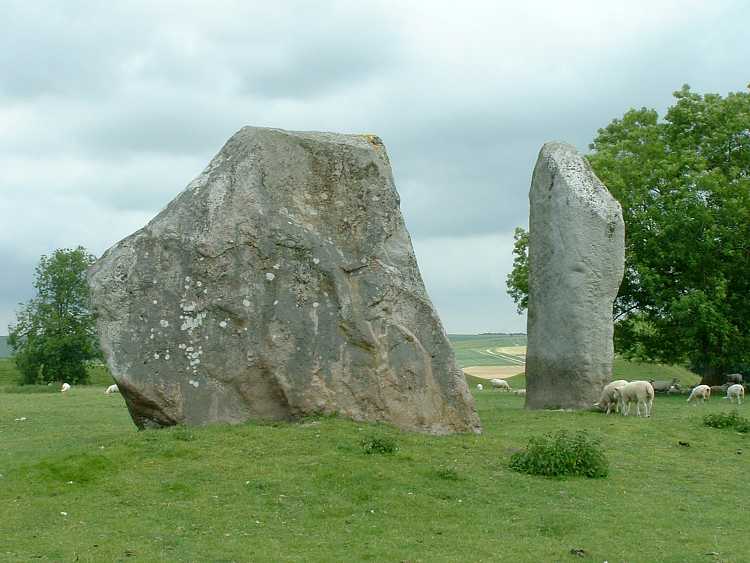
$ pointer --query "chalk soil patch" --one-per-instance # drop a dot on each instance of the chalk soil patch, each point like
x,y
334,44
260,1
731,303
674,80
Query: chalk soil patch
x,y
494,372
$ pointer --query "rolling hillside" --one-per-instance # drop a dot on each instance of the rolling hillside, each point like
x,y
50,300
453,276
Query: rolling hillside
x,y
489,349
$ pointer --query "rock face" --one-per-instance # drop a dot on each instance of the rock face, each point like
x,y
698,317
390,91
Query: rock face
x,y
280,283
576,262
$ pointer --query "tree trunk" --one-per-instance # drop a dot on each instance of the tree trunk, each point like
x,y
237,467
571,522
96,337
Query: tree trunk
x,y
712,375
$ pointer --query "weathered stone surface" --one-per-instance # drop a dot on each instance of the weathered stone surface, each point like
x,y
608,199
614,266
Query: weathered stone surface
x,y
576,260
281,282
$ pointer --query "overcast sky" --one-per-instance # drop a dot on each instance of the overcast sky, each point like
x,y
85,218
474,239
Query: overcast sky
x,y
106,113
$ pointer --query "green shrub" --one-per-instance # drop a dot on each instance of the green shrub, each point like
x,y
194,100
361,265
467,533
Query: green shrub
x,y
561,455
379,445
727,420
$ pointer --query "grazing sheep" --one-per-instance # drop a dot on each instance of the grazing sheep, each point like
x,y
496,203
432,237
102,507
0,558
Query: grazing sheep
x,y
520,392
635,392
500,384
112,389
65,387
702,392
735,391
608,399
479,387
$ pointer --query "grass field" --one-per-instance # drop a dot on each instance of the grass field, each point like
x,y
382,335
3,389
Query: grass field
x,y
79,483
488,349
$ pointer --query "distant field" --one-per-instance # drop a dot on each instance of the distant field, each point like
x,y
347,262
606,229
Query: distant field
x,y
489,349
4,348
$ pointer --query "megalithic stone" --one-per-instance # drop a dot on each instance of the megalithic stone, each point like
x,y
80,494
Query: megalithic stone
x,y
576,264
280,283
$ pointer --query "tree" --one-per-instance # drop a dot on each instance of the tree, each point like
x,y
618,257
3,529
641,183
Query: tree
x,y
54,334
518,278
684,186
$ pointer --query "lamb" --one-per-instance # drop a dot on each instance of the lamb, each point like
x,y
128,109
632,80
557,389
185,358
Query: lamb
x,y
608,399
500,384
479,387
635,392
65,387
702,392
112,389
735,391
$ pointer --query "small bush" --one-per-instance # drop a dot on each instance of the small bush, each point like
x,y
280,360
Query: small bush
x,y
379,445
727,420
561,455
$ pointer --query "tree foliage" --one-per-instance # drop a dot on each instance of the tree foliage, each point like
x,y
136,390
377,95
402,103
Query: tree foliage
x,y
518,278
684,186
54,334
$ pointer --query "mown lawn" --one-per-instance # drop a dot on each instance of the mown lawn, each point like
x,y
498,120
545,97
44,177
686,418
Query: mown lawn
x,y
79,483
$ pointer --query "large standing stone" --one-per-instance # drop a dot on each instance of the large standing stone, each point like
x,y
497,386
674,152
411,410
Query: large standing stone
x,y
281,282
576,257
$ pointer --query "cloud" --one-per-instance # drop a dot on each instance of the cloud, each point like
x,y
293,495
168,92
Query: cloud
x,y
108,110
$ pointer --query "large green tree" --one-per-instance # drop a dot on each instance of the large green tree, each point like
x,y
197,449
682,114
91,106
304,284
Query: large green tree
x,y
684,186
53,338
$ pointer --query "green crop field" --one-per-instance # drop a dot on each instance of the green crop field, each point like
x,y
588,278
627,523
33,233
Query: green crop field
x,y
79,483
481,349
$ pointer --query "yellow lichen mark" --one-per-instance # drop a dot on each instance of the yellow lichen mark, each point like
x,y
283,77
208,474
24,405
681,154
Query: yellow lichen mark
x,y
377,143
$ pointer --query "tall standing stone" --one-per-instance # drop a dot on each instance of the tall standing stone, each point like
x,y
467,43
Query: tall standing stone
x,y
280,283
576,261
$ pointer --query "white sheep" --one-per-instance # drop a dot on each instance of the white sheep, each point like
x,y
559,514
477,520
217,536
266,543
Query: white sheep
x,y
735,391
520,392
608,399
479,387
500,384
702,392
635,392
112,389
65,387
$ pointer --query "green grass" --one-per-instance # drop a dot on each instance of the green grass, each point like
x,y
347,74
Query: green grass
x,y
308,491
9,378
621,369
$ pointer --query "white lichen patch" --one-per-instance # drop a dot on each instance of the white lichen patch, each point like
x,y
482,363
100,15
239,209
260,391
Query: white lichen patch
x,y
156,302
193,322
316,260
188,306
194,383
199,283
246,302
276,302
316,305
164,323
223,324
156,355
270,276
276,266
166,357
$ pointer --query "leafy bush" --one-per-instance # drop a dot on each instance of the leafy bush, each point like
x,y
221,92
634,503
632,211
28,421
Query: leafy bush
x,y
379,445
561,455
727,420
